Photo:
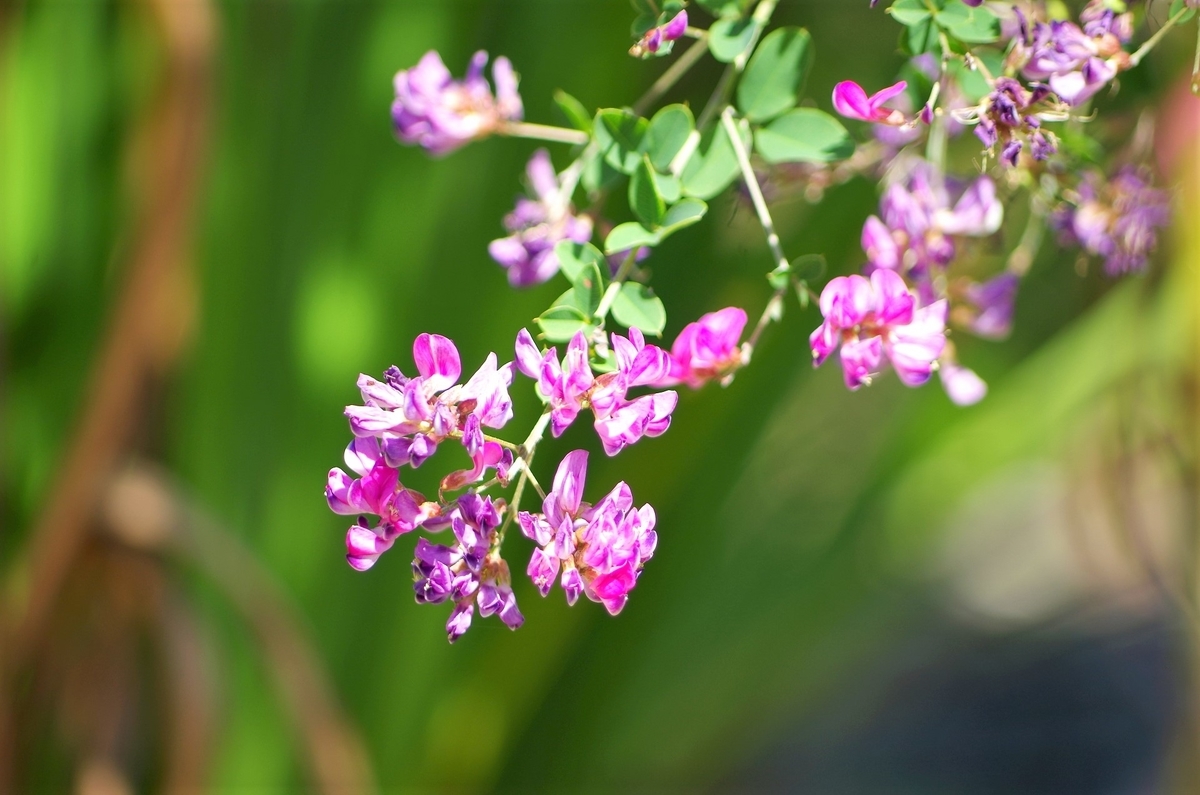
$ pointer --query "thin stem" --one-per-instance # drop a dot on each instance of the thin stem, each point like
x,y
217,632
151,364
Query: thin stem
x,y
521,469
774,308
760,204
543,132
669,78
1196,63
1151,42
1022,256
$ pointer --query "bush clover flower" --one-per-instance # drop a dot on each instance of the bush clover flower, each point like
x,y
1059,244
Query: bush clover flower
x,y
411,416
657,40
707,348
599,549
570,387
1075,62
915,232
851,100
376,491
441,114
868,320
469,573
536,226
1117,219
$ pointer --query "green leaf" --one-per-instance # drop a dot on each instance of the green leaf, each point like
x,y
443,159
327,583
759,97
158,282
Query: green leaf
x,y
644,199
728,36
1178,6
668,131
574,110
920,38
713,167
574,257
628,235
809,267
560,323
805,135
722,8
636,306
619,135
588,288
670,187
683,214
776,74
909,12
598,174
643,23
970,25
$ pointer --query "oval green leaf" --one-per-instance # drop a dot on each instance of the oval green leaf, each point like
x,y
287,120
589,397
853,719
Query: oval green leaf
x,y
636,306
776,74
805,135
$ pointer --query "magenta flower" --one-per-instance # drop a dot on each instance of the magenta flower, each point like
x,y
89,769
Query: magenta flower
x,y
469,573
706,349
851,101
868,320
411,416
376,491
653,40
440,114
537,226
920,221
570,387
599,549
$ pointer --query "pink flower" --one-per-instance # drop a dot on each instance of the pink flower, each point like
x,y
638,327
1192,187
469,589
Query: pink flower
x,y
600,549
851,101
411,416
706,349
869,320
377,491
570,387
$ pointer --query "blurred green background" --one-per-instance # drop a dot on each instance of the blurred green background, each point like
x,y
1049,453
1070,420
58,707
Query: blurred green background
x,y
852,592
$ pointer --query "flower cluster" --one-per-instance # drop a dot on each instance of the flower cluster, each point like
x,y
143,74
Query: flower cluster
x,y
600,549
1116,219
471,572
867,320
1008,71
1075,62
537,225
570,387
441,114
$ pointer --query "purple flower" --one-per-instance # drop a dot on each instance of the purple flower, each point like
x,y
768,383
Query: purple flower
x,y
469,573
920,219
1076,64
411,416
869,320
537,226
657,39
1008,117
569,387
706,349
1116,219
599,549
989,306
851,101
376,491
441,114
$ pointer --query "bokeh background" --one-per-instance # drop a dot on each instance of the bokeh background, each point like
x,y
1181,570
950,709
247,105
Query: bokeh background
x,y
206,233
